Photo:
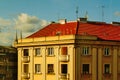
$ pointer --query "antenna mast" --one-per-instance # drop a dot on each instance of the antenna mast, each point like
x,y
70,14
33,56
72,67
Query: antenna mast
x,y
21,34
16,38
86,15
77,12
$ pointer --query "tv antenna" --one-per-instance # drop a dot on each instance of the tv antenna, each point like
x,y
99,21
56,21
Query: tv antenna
x,y
77,12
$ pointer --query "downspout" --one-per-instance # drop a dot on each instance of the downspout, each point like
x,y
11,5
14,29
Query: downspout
x,y
75,45
97,64
58,58
45,62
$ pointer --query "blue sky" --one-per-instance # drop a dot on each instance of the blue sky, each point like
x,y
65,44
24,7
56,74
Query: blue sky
x,y
53,9
30,15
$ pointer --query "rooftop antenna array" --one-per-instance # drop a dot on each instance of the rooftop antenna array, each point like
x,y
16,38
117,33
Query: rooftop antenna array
x,y
86,15
77,12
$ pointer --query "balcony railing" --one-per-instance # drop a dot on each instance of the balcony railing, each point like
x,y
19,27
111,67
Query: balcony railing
x,y
64,77
25,59
26,75
64,58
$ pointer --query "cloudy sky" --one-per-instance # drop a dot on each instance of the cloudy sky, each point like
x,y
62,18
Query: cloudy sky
x,y
29,16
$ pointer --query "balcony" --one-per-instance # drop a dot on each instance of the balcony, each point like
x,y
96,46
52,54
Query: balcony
x,y
25,59
64,77
26,75
64,58
3,71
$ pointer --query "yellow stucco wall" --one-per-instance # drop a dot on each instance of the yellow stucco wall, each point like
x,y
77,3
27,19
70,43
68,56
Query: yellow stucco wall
x,y
95,59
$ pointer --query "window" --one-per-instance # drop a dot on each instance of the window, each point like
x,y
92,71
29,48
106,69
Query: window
x,y
50,68
37,52
85,50
37,68
50,51
64,68
106,51
64,51
85,69
25,52
25,68
107,68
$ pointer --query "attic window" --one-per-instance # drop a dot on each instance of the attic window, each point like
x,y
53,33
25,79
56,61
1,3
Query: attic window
x,y
58,33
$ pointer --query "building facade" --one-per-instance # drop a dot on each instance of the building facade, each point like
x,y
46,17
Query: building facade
x,y
8,63
79,50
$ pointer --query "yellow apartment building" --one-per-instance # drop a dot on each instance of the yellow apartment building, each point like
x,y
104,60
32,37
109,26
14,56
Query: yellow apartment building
x,y
74,50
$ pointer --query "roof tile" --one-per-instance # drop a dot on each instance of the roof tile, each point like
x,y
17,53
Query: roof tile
x,y
103,31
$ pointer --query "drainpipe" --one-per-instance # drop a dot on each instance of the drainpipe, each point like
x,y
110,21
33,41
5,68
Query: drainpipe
x,y
97,64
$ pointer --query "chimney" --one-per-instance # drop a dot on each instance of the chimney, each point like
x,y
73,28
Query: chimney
x,y
82,19
62,21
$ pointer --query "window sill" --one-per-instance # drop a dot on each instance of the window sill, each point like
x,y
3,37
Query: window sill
x,y
107,74
38,55
86,55
106,55
51,73
38,73
86,74
50,55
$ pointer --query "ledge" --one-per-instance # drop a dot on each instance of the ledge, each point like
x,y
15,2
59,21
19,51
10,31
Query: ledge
x,y
51,73
38,73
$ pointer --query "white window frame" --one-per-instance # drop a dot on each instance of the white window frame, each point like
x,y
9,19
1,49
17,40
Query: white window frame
x,y
85,50
50,70
106,51
37,51
109,69
85,70
25,52
37,68
50,51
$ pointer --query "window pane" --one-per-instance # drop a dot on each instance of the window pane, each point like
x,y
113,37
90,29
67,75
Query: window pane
x,y
85,50
85,68
37,68
64,51
64,68
50,51
37,51
26,52
50,68
106,51
25,68
107,68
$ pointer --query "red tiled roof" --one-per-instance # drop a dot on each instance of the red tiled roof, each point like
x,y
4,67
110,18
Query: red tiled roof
x,y
101,30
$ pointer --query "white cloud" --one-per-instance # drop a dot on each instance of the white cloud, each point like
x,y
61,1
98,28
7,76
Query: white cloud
x,y
4,22
6,38
117,13
28,24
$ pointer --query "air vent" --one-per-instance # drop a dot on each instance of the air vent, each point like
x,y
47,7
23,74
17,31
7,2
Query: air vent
x,y
62,21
